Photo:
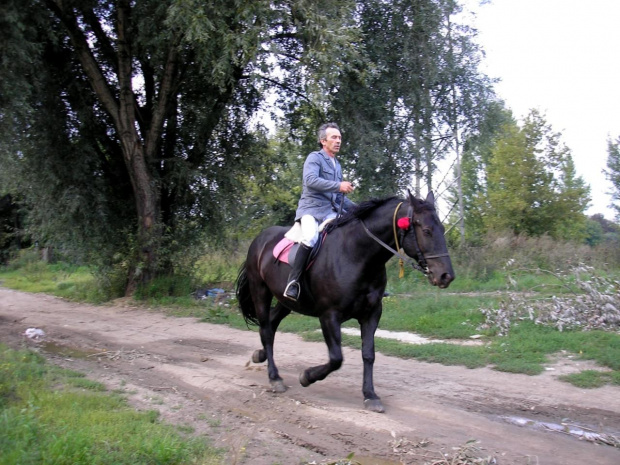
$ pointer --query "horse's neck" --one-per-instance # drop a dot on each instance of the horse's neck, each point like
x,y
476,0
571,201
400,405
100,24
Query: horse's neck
x,y
380,223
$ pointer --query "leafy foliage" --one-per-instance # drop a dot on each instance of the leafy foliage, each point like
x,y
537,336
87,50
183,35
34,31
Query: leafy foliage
x,y
474,165
417,86
271,193
128,129
523,180
613,173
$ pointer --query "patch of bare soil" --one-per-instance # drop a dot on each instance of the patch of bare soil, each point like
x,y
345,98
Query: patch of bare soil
x,y
200,376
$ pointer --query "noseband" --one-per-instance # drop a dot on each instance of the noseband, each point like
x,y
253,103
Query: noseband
x,y
421,264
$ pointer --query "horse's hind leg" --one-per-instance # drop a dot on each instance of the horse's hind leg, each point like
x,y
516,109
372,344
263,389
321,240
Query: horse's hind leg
x,y
276,315
269,320
333,338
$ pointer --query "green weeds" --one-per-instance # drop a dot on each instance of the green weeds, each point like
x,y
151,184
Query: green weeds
x,y
78,283
588,379
434,314
50,415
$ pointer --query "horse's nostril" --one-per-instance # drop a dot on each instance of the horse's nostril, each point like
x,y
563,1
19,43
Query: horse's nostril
x,y
447,278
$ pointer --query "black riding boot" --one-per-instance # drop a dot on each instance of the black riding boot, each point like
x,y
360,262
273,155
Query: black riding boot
x,y
293,288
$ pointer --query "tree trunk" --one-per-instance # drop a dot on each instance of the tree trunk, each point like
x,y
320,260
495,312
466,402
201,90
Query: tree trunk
x,y
147,207
144,186
138,151
455,134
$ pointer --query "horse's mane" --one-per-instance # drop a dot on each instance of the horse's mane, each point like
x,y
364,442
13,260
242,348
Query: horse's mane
x,y
359,211
362,210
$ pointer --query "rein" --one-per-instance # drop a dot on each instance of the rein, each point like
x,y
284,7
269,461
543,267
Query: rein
x,y
422,265
404,258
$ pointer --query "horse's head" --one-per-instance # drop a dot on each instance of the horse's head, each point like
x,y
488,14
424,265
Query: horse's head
x,y
425,242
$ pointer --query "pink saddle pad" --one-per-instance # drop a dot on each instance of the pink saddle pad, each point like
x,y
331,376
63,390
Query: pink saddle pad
x,y
282,249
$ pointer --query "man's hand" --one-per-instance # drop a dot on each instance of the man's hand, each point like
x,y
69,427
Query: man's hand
x,y
346,187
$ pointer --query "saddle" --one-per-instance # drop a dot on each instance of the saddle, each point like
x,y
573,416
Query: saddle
x,y
285,251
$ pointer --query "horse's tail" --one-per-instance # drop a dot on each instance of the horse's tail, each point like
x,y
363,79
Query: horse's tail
x,y
244,297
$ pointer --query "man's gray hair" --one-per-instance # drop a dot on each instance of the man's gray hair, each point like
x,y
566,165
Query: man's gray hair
x,y
323,131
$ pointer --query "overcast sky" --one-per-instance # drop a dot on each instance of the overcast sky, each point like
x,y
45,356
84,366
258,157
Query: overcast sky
x,y
561,57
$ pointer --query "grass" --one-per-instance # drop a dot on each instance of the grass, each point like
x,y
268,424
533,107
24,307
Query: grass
x,y
39,277
526,350
589,379
56,416
452,315
437,315
77,283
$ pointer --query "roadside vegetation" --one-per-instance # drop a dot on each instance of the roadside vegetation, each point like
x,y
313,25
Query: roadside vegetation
x,y
49,415
511,308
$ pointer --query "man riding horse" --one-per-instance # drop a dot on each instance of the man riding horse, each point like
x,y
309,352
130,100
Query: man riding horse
x,y
322,197
347,280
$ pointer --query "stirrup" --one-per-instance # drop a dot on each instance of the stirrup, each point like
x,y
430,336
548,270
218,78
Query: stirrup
x,y
292,291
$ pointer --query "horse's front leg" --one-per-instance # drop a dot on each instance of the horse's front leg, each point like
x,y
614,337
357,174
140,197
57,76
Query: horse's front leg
x,y
330,325
269,320
368,327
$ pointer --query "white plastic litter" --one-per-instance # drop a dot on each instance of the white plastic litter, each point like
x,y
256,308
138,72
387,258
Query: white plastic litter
x,y
34,333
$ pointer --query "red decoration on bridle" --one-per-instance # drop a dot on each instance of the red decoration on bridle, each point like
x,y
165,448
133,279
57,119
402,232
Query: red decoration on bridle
x,y
404,223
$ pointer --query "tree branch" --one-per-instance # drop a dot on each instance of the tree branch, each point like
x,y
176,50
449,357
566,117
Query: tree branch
x,y
91,68
168,88
285,87
108,53
127,117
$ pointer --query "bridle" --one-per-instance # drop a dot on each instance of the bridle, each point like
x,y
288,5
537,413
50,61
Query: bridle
x,y
422,264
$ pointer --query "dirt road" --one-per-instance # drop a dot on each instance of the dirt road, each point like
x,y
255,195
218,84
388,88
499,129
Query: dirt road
x,y
199,375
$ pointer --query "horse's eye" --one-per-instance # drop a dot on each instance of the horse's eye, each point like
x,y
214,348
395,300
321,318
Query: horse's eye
x,y
427,232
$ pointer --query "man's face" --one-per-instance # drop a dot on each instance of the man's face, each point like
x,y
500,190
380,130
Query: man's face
x,y
331,143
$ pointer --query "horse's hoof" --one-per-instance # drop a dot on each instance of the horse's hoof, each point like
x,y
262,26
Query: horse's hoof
x,y
259,356
303,380
374,405
277,385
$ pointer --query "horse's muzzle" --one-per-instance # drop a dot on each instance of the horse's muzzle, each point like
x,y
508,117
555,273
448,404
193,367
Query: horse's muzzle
x,y
443,281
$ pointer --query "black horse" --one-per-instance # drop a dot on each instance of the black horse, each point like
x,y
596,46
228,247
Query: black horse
x,y
346,280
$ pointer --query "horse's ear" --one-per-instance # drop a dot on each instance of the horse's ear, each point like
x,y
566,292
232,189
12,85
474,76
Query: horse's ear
x,y
415,203
430,198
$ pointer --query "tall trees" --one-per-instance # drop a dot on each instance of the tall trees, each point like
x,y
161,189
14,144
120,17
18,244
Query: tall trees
x,y
531,186
419,92
477,151
613,173
130,119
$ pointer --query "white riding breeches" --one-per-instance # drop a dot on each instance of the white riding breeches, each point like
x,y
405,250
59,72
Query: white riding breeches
x,y
310,228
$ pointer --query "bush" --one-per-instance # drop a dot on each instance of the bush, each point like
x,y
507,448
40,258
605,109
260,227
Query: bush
x,y
25,258
166,286
483,262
